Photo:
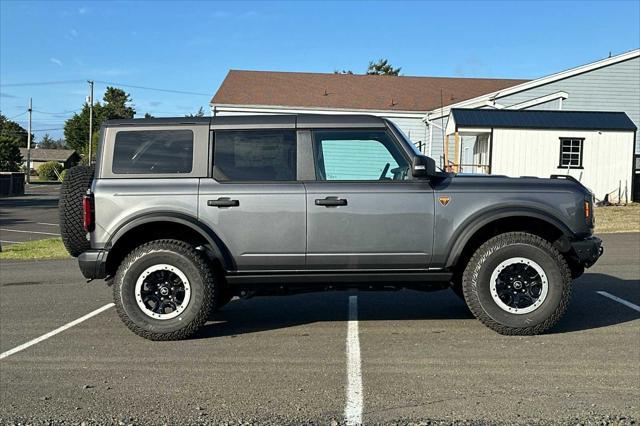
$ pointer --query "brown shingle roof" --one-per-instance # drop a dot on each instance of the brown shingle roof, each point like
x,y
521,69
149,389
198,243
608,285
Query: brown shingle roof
x,y
41,154
367,92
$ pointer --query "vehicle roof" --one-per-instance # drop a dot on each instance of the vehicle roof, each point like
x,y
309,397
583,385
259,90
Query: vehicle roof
x,y
299,121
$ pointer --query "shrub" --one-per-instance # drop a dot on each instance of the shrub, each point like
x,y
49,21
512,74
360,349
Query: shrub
x,y
63,175
47,171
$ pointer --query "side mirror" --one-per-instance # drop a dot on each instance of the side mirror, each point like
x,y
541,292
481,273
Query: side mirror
x,y
423,166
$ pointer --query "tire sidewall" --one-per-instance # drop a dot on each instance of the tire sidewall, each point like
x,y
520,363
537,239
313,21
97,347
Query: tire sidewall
x,y
482,277
126,282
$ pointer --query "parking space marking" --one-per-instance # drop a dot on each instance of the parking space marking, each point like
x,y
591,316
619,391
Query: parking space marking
x,y
619,300
353,410
47,224
9,242
56,331
28,232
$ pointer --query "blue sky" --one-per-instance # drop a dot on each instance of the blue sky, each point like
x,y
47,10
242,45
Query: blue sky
x,y
190,46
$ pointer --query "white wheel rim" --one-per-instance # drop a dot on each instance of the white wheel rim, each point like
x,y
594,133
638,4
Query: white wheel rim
x,y
519,286
178,279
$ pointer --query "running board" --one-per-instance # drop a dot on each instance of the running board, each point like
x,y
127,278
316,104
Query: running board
x,y
396,278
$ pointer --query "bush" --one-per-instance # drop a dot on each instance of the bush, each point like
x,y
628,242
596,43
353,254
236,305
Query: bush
x,y
63,175
47,171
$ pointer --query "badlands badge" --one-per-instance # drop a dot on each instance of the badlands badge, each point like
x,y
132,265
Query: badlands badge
x,y
444,199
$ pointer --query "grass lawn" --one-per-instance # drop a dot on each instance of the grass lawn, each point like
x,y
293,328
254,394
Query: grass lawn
x,y
618,218
51,248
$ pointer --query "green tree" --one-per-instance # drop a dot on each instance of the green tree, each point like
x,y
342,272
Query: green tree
x,y
10,157
76,129
147,115
343,72
48,142
200,113
13,130
382,67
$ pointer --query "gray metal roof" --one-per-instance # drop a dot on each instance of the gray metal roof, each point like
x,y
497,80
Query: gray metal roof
x,y
539,119
43,154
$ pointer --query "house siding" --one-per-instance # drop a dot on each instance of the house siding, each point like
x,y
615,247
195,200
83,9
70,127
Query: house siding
x,y
606,158
612,88
414,127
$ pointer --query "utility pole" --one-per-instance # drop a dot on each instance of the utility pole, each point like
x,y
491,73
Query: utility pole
x,y
90,117
29,144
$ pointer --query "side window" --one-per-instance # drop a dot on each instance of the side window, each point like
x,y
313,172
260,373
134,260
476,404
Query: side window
x,y
570,153
153,152
254,155
358,155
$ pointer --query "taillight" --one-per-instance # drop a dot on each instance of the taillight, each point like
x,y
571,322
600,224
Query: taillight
x,y
88,213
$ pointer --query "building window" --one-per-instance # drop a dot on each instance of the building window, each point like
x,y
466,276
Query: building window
x,y
571,153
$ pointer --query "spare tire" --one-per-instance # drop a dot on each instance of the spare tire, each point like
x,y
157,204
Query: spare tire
x,y
76,182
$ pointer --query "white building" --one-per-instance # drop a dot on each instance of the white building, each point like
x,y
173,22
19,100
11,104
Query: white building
x,y
596,148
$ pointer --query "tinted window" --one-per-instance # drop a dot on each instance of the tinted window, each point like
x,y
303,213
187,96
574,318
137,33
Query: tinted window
x,y
358,155
153,152
255,155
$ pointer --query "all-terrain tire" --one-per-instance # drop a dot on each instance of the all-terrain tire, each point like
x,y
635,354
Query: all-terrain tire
x,y
477,276
185,258
72,190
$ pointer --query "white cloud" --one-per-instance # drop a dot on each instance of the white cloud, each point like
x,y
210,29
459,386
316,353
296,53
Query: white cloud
x,y
56,61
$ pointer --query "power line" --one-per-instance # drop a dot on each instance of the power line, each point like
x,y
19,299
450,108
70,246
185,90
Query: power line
x,y
57,113
184,92
16,116
41,83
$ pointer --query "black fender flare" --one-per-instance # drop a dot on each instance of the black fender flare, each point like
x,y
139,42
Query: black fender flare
x,y
220,250
474,223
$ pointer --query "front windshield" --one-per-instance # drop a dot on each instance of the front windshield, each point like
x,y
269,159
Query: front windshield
x,y
408,141
406,138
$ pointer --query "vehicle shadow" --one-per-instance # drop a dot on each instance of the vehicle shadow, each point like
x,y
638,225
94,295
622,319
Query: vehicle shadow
x,y
587,310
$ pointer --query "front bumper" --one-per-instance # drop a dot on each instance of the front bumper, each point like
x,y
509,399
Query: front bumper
x,y
93,264
588,250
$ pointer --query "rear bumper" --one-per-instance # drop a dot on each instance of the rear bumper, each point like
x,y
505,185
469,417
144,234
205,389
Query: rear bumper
x,y
93,264
588,250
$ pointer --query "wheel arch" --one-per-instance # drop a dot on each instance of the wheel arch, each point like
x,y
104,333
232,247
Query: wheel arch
x,y
162,225
490,223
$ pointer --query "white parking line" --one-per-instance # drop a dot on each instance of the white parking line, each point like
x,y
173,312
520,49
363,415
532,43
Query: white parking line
x,y
353,410
56,331
619,300
47,224
9,242
28,232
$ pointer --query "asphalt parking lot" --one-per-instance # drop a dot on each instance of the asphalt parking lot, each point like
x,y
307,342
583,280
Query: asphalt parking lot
x,y
33,216
287,360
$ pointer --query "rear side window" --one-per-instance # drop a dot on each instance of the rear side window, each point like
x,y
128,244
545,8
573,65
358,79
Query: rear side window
x,y
153,152
255,155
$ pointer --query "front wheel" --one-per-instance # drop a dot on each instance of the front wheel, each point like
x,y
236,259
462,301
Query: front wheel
x,y
517,284
164,290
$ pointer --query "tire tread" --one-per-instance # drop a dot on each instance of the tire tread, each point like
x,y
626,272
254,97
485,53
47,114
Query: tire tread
x,y
470,282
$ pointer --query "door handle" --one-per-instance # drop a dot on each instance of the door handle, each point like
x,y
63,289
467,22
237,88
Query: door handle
x,y
223,202
331,202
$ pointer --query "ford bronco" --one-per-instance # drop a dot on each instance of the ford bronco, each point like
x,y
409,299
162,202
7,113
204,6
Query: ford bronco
x,y
182,214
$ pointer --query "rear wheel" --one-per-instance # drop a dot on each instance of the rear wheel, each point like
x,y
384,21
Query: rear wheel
x,y
517,284
164,290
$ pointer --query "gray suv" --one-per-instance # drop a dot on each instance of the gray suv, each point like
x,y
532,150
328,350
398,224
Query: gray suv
x,y
182,214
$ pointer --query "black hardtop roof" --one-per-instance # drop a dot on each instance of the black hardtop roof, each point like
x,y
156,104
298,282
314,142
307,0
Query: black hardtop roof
x,y
543,119
259,121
